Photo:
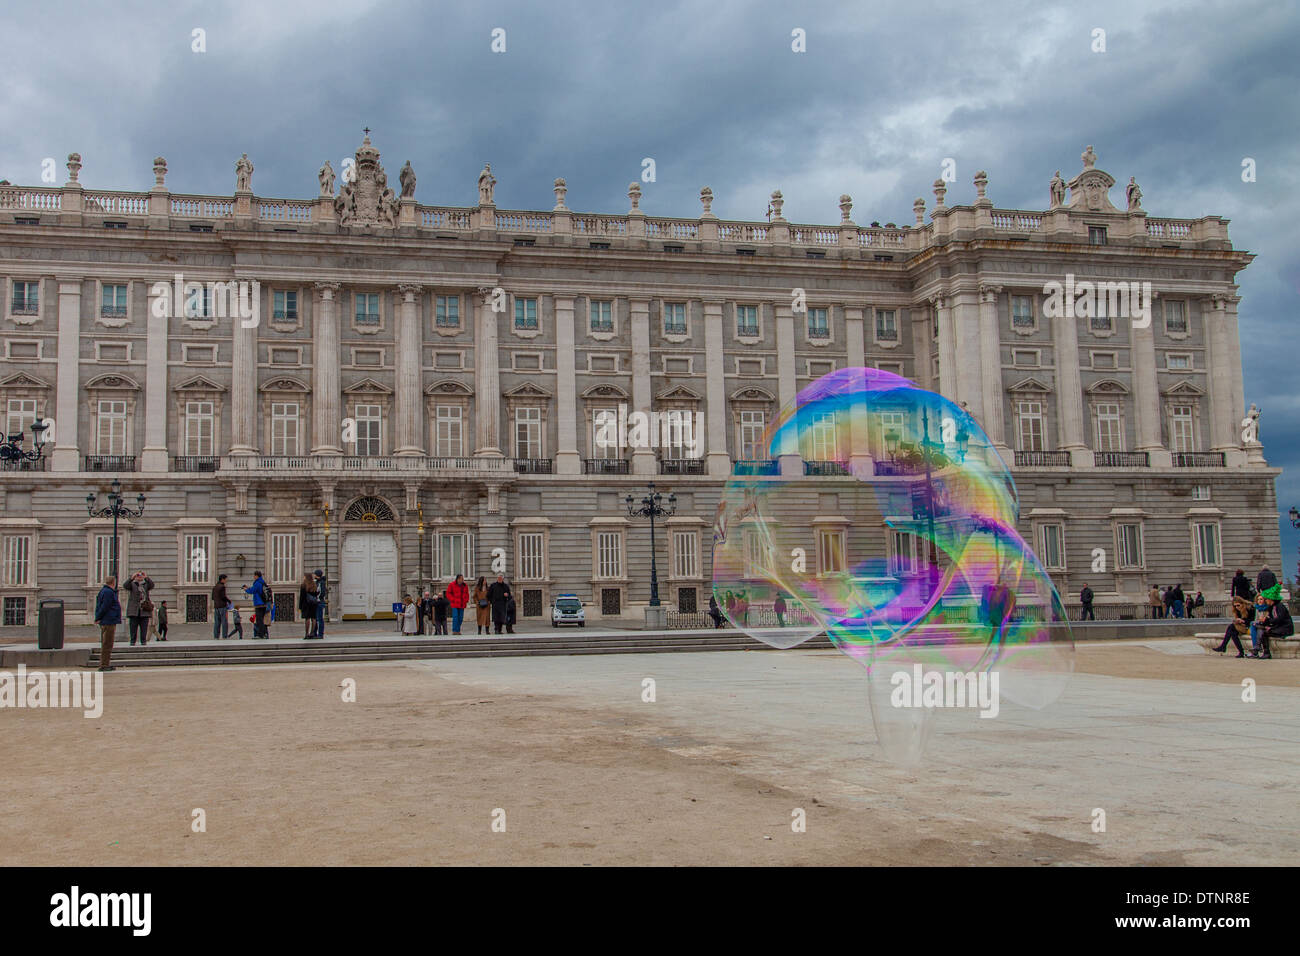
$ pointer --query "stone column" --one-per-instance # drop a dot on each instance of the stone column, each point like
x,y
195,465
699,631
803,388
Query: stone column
x,y
67,455
855,338
487,377
1146,395
643,459
1225,430
327,436
1069,389
568,460
1236,395
719,460
154,457
791,461
969,366
921,317
410,409
947,348
243,388
990,356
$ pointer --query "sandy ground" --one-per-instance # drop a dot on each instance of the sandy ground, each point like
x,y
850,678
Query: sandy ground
x,y
589,773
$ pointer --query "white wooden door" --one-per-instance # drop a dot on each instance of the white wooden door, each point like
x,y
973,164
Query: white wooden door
x,y
369,579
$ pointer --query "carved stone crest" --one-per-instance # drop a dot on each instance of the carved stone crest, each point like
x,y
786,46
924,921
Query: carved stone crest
x,y
367,200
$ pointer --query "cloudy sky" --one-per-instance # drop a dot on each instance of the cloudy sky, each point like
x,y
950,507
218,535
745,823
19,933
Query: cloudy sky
x,y
714,94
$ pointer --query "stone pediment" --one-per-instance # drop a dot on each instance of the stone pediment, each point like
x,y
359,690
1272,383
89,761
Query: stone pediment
x,y
752,393
113,381
1107,386
368,386
285,385
605,390
528,390
22,380
1029,385
200,384
678,393
448,387
1183,388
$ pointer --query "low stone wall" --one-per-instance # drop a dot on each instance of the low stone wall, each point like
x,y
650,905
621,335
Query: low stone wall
x,y
1282,649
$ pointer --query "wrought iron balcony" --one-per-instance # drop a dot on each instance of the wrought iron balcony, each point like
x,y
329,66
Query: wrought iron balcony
x,y
195,463
534,466
290,464
113,311
747,330
755,467
109,463
605,466
1199,459
824,468
681,466
1121,459
819,332
1042,459
22,464
886,468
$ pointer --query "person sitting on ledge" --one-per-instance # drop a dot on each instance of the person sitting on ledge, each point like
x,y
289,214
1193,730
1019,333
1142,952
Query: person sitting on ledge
x,y
1243,614
1277,621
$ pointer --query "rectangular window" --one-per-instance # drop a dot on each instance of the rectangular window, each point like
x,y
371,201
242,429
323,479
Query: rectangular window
x,y
22,415
1178,361
528,433
112,300
197,557
1129,545
447,311
823,445
198,301
447,431
110,438
530,556
1207,545
1103,359
747,320
757,555
1182,437
902,553
818,324
886,325
367,308
15,611
609,554
830,552
1200,492
199,421
686,554
369,420
284,428
101,557
893,428
26,298
1032,430
525,313
285,306
1051,547
1110,431
674,318
602,316
284,558
1175,317
1022,312
752,426
1096,235
17,571
1025,358
455,555
604,433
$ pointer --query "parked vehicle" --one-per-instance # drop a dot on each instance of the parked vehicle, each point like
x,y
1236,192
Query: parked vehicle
x,y
567,609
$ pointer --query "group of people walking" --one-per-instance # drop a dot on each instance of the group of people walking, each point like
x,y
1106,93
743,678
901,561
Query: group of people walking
x,y
1172,602
1258,611
494,605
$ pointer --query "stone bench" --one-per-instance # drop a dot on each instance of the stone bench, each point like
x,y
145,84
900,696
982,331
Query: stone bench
x,y
1286,648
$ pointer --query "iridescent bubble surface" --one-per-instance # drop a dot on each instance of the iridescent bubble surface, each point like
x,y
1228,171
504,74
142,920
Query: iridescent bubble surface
x,y
885,518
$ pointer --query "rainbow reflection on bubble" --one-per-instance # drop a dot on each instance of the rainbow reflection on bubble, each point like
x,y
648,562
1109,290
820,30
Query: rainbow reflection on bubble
x,y
896,536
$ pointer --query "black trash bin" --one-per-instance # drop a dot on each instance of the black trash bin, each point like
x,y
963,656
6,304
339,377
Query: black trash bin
x,y
49,625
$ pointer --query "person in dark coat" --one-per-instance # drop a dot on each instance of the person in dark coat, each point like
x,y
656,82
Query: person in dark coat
x,y
778,607
1177,600
1085,598
440,607
511,608
108,615
714,612
1241,586
307,606
162,620
1276,623
426,612
1266,580
498,597
138,606
220,610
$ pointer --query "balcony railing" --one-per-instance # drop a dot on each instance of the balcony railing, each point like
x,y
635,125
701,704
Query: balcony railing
x,y
681,466
109,463
195,462
819,332
605,466
1121,459
1042,459
824,469
747,330
281,464
112,311
886,469
1199,459
755,467
22,464
534,466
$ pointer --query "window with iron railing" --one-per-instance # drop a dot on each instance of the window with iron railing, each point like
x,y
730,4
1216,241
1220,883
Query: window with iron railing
x,y
886,325
602,316
818,324
447,311
284,306
26,298
112,301
525,313
674,318
747,320
367,308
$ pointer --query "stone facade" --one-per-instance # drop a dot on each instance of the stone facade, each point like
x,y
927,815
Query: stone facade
x,y
432,376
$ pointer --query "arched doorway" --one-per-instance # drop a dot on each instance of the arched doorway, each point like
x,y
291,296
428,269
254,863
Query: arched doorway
x,y
369,582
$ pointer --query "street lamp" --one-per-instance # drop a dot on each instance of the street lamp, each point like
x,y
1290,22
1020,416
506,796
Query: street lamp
x,y
11,448
116,509
419,558
327,552
926,445
652,506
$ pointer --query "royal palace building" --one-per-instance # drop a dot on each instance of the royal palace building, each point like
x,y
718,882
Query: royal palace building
x,y
399,392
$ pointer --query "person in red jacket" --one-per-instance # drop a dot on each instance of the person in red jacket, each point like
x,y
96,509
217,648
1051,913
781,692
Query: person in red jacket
x,y
457,597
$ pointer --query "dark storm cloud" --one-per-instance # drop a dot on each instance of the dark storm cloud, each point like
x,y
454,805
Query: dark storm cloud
x,y
714,94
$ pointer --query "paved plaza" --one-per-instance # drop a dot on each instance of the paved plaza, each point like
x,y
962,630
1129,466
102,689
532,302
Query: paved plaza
x,y
414,771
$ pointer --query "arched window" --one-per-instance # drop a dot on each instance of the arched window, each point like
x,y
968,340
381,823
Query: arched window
x,y
369,509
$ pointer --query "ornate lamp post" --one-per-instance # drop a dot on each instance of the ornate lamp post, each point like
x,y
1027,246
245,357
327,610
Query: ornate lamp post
x,y
652,506
926,446
1295,523
11,448
326,532
116,509
419,558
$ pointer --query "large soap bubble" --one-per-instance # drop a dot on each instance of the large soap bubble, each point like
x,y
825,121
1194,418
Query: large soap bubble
x,y
908,559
